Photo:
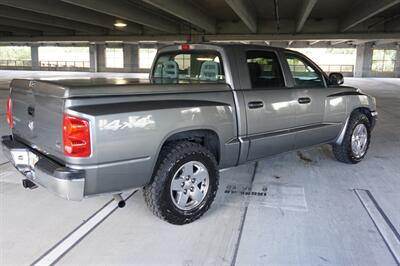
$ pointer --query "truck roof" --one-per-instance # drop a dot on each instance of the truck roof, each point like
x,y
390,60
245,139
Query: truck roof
x,y
221,45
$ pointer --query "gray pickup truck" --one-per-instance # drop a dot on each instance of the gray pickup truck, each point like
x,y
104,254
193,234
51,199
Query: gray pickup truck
x,y
204,108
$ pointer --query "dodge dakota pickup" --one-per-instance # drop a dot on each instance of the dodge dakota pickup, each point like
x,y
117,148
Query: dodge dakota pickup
x,y
204,107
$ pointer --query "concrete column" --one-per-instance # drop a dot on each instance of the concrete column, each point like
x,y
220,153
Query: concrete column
x,y
397,64
363,60
135,58
101,57
93,58
131,62
35,57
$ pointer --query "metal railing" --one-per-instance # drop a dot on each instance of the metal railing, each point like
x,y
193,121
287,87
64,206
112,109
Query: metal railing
x,y
45,65
338,68
346,70
15,64
64,65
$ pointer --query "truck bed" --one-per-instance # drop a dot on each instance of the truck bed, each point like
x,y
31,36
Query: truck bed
x,y
92,87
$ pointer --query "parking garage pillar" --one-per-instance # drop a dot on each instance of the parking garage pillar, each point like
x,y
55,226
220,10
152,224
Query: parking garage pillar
x,y
35,57
131,62
93,57
397,62
363,60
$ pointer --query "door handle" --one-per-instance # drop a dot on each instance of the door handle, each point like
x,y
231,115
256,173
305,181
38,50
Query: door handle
x,y
304,100
31,111
256,104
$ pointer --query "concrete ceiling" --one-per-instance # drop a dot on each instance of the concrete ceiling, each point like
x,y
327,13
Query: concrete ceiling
x,y
316,21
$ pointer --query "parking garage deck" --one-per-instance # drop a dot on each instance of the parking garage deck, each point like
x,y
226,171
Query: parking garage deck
x,y
300,208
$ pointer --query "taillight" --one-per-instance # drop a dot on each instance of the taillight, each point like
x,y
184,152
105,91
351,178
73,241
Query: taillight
x,y
9,113
185,47
76,136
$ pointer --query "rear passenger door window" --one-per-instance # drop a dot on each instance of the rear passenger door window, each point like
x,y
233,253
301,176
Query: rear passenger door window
x,y
304,74
264,70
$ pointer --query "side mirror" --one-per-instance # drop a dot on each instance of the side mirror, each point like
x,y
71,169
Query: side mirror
x,y
336,78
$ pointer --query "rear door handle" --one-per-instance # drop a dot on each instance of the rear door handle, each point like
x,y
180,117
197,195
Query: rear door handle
x,y
31,111
256,104
304,100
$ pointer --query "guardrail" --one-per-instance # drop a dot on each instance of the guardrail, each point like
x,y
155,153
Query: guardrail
x,y
338,68
346,70
64,65
16,64
45,65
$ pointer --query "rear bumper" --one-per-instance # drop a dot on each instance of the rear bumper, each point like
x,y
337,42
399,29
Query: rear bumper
x,y
65,182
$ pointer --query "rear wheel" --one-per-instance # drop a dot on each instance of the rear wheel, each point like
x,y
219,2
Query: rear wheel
x,y
185,183
356,140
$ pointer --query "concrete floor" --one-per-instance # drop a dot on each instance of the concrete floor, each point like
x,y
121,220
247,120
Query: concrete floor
x,y
306,211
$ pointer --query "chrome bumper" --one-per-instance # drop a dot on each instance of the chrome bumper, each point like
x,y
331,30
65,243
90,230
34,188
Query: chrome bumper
x,y
65,182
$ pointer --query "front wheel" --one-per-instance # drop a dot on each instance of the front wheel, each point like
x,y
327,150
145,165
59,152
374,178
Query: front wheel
x,y
185,183
356,140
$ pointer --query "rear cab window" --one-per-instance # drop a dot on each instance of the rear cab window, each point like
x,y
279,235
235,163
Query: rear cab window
x,y
189,66
264,69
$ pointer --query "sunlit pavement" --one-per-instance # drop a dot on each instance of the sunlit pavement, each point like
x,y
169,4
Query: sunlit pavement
x,y
296,208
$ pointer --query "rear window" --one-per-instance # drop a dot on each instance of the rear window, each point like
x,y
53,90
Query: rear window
x,y
193,66
264,70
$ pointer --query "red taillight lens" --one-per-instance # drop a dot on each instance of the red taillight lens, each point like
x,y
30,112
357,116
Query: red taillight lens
x,y
9,113
76,136
185,47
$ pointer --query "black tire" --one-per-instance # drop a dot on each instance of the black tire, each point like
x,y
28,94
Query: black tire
x,y
157,194
343,152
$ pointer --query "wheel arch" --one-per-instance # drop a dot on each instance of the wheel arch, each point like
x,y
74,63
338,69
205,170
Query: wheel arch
x,y
206,137
364,110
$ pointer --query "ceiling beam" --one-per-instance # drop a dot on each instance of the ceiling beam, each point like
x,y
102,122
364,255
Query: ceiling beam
x,y
20,31
12,13
313,42
302,36
245,13
305,11
67,11
384,42
333,43
128,12
98,39
365,37
185,11
365,11
34,26
360,42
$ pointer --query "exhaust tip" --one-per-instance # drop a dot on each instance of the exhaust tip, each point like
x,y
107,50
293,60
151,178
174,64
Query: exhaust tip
x,y
121,204
120,201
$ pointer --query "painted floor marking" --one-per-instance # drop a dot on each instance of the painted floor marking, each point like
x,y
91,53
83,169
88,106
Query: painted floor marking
x,y
381,221
67,243
243,220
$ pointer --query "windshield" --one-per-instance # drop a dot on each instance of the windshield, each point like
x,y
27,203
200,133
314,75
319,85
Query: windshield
x,y
189,66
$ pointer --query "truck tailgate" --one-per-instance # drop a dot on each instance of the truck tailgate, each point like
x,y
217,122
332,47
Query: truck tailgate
x,y
38,115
